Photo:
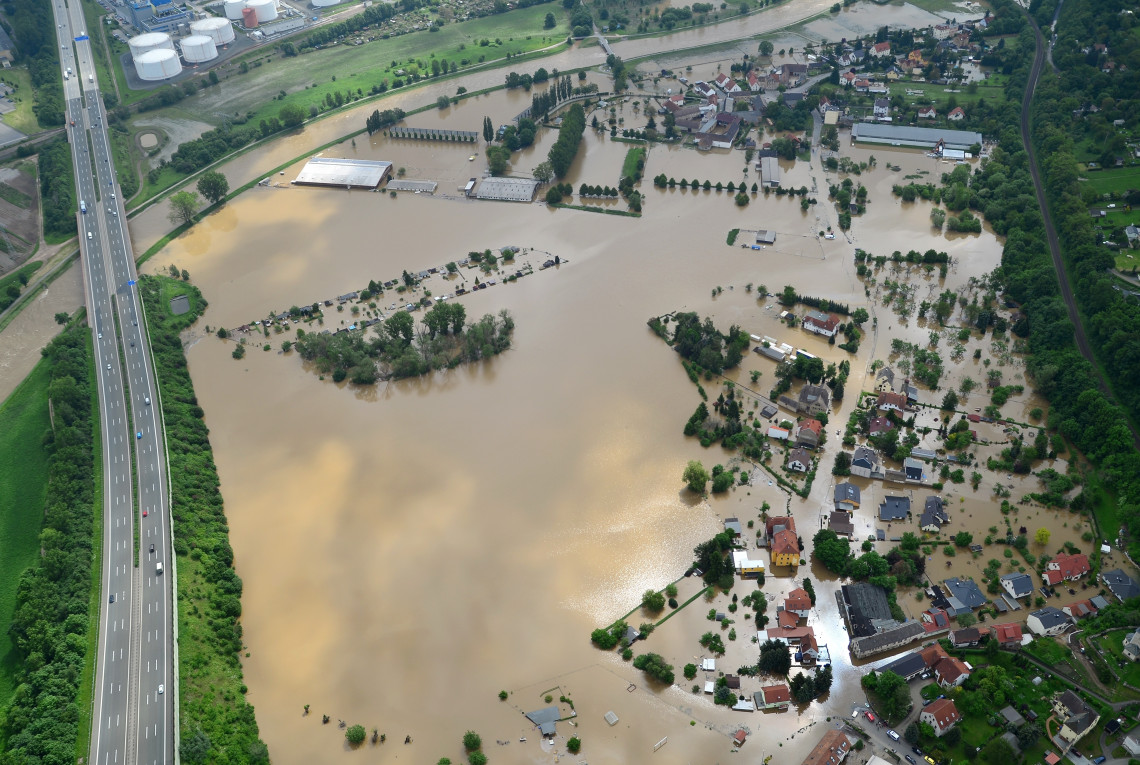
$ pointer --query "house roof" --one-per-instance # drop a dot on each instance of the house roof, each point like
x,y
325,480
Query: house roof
x,y
776,694
950,669
1021,584
785,543
544,718
1012,716
1070,566
831,749
933,654
797,600
957,111
967,635
801,455
1050,617
733,525
889,398
886,373
815,426
879,425
840,523
863,453
882,47
1079,715
894,508
778,523
787,619
1120,584
966,591
933,513
944,712
1007,633
866,603
907,665
847,492
811,393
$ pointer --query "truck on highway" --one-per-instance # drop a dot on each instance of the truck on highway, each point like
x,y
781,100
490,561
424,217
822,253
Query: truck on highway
x,y
91,78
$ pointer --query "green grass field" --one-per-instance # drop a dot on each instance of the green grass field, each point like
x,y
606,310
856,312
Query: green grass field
x,y
941,97
1116,180
23,481
22,118
27,269
1111,645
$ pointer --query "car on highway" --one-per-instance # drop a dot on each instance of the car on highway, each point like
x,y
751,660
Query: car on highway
x,y
100,335
89,235
147,398
161,688
152,548
112,597
139,434
108,367
144,513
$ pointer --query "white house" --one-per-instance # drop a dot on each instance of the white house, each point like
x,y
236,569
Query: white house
x,y
1047,621
1017,585
956,114
927,112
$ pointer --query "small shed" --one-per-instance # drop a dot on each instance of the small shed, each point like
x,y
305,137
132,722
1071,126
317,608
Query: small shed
x,y
611,718
708,665
739,737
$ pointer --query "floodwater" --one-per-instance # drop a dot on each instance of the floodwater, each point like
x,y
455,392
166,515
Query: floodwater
x,y
34,327
411,549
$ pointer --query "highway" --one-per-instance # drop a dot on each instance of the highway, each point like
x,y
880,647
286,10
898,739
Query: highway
x,y
133,719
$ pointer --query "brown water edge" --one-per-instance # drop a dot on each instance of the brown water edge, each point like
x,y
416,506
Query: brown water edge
x,y
411,549
35,326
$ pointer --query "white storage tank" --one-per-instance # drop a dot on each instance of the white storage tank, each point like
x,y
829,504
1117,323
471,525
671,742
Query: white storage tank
x,y
140,44
325,3
218,30
157,65
266,10
233,9
198,48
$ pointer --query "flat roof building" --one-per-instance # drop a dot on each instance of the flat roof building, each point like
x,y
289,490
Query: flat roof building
x,y
344,173
765,236
507,189
903,135
769,172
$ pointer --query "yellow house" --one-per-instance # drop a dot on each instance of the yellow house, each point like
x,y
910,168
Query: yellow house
x,y
785,549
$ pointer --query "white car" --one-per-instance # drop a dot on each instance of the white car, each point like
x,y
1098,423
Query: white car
x,y
161,688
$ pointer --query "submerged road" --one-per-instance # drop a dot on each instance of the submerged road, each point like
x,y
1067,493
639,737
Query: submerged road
x,y
1051,231
132,716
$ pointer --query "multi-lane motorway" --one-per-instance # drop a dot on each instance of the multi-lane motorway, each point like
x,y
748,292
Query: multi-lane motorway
x,y
133,720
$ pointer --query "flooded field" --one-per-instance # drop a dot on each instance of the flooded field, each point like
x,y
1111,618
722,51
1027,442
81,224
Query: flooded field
x,y
410,550
34,327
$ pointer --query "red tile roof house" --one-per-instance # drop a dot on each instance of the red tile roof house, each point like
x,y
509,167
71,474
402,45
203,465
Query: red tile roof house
x,y
941,715
775,696
881,49
787,619
798,602
889,401
825,324
1006,634
927,113
809,433
951,672
956,114
1065,568
879,425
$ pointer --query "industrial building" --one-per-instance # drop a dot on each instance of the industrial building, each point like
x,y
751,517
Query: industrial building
x,y
769,172
344,173
507,189
926,138
158,15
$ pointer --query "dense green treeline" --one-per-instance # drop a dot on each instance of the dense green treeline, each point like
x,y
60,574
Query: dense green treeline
x,y
1098,55
57,190
50,624
563,151
33,27
217,723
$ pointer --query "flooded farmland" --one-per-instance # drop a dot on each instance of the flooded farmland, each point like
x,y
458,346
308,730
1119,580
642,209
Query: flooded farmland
x,y
411,549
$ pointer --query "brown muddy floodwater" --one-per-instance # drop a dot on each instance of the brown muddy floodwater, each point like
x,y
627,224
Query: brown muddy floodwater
x,y
409,550
23,339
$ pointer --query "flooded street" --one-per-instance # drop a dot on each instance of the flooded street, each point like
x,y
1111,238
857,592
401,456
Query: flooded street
x,y
411,549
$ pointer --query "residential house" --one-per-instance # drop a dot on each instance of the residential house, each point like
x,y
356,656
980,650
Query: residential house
x,y
1066,568
941,715
799,460
1017,585
782,434
894,508
880,49
798,602
847,496
964,638
1084,608
867,609
726,84
942,31
937,618
888,401
879,425
882,108
927,113
865,463
885,380
840,522
915,60
785,549
791,99
862,85
923,454
908,666
825,324
1007,635
831,749
848,78
912,469
809,433
933,654
894,73
793,74
1133,234
951,672
1132,645
814,399
745,566
966,592
1120,584
754,83
956,114
733,527
1077,717
1047,621
933,515
773,697
887,639
704,89
1132,744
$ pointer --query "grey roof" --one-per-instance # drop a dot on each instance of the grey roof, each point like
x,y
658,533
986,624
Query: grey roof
x,y
810,393
966,591
334,171
901,635
903,135
1081,716
507,189
1009,737
922,454
933,513
912,466
1021,584
5,40
865,453
1050,617
1012,716
768,411
894,508
772,353
846,492
865,603
886,373
906,666
1121,585
1099,601
544,719
840,523
733,524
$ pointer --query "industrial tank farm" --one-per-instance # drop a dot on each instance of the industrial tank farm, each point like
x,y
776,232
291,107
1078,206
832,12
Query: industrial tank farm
x,y
266,10
217,29
198,48
140,44
157,64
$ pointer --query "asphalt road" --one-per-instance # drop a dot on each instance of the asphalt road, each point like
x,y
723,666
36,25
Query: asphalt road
x,y
1051,231
133,716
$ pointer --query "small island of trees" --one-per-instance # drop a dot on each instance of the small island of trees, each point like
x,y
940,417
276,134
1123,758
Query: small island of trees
x,y
401,348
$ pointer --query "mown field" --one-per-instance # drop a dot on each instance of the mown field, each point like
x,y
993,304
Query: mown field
x,y
23,481
1116,180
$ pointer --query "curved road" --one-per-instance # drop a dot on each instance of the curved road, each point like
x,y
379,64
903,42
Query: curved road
x,y
132,716
1051,232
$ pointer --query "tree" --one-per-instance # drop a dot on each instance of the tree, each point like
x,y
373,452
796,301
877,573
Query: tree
x,y
549,22
183,207
488,130
695,476
472,741
544,172
195,748
860,316
766,48
653,601
967,620
775,658
574,745
476,758
291,115
690,671
1042,536
62,317
963,539
355,735
213,186
809,588
950,401
842,464
823,678
832,551
911,734
443,101
998,751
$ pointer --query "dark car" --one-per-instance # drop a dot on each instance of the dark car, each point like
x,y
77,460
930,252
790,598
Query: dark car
x,y
152,548
112,597
910,760
916,750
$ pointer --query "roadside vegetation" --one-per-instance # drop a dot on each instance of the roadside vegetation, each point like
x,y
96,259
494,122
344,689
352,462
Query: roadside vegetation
x,y
12,285
33,24
50,625
57,191
217,723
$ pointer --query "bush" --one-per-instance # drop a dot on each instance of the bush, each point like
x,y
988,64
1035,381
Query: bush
x,y
574,745
472,741
355,735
